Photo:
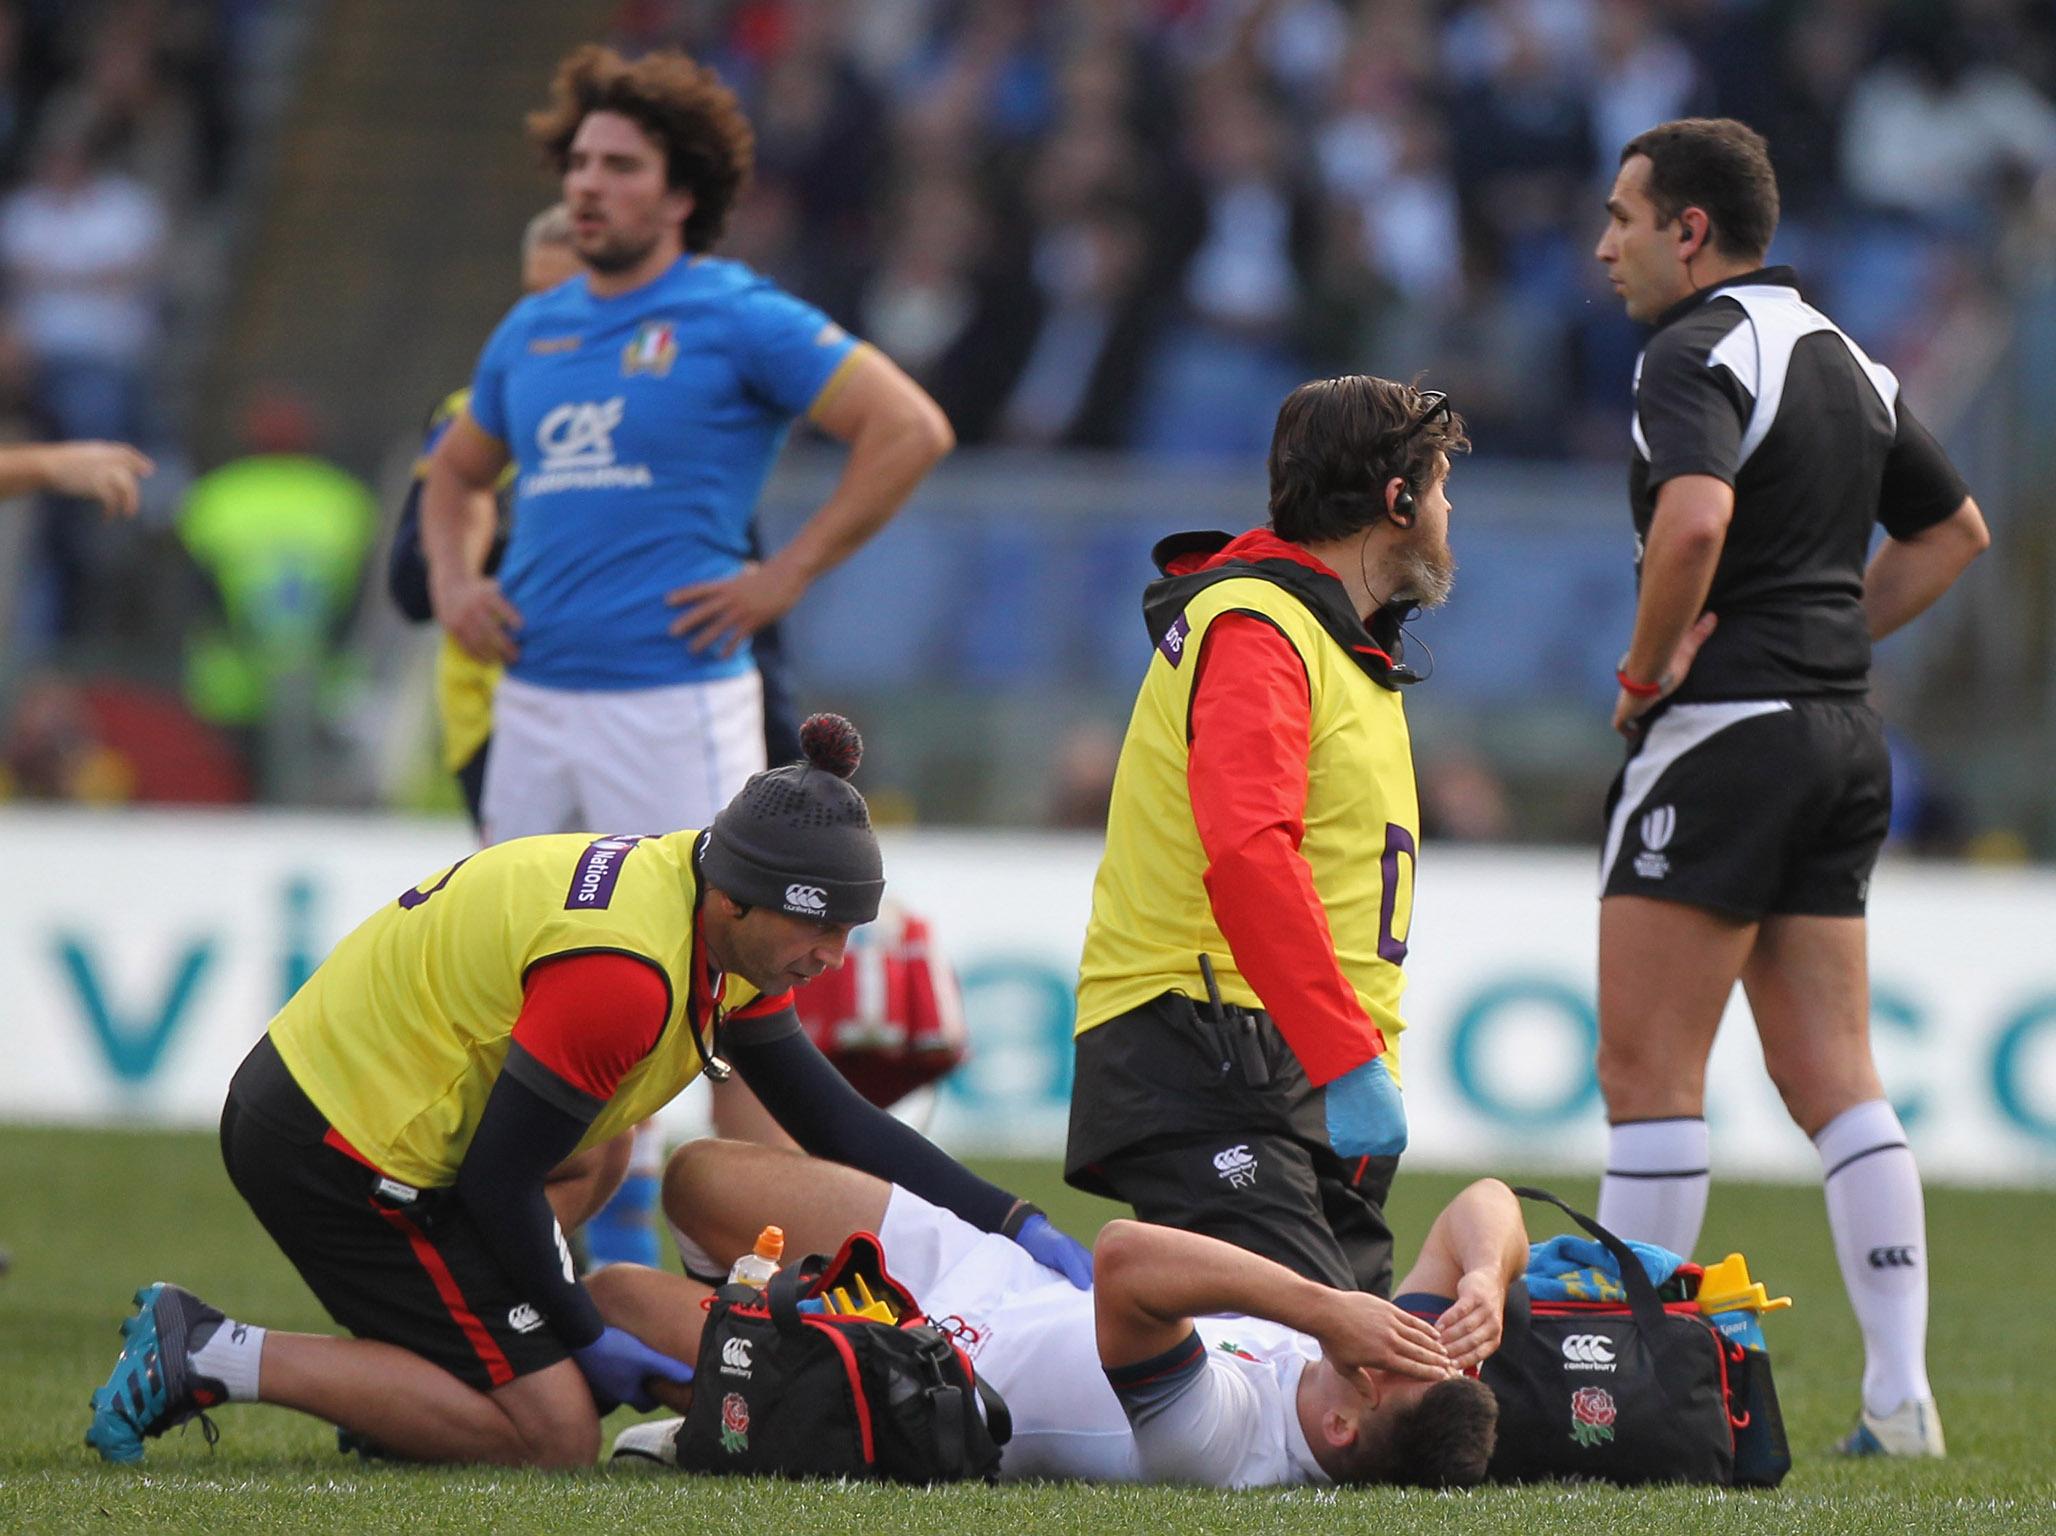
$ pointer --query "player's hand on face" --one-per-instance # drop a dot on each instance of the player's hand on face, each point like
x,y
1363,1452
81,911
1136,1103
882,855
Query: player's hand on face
x,y
1472,1327
1369,1334
1628,710
720,615
478,617
104,472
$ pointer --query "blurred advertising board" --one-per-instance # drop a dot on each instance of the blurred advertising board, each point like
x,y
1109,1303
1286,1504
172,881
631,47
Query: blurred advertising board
x,y
141,953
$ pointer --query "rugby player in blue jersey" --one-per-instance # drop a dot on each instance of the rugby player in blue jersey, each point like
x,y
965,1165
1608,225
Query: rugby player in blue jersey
x,y
641,406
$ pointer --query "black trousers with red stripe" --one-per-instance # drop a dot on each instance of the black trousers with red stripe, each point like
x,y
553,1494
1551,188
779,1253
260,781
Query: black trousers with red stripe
x,y
404,1266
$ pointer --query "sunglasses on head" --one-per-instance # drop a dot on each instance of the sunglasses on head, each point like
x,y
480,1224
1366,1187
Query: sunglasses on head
x,y
1434,410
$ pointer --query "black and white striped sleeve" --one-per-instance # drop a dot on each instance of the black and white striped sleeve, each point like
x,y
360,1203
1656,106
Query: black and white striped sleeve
x,y
1690,413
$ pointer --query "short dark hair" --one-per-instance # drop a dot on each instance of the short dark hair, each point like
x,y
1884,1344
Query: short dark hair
x,y
708,145
1336,444
1715,164
1443,1441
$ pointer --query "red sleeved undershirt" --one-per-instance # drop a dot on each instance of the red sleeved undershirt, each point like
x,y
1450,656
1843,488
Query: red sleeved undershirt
x,y
1246,770
763,1007
589,1018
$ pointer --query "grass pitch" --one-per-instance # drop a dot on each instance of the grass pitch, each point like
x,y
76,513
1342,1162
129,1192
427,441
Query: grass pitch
x,y
89,1216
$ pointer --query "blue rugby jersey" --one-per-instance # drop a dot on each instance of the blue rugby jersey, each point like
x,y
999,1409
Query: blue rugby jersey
x,y
642,429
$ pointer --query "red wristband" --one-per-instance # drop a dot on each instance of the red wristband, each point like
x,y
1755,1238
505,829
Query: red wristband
x,y
1634,689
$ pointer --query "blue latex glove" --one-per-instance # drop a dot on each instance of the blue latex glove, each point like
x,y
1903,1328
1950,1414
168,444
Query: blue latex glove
x,y
615,1364
1366,1112
1056,1250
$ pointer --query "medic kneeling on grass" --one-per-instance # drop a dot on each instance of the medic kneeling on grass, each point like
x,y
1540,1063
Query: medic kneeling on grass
x,y
423,1119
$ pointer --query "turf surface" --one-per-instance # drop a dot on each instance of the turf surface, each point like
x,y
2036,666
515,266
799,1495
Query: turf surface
x,y
89,1216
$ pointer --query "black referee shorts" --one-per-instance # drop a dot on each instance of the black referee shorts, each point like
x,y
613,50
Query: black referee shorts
x,y
1752,807
404,1266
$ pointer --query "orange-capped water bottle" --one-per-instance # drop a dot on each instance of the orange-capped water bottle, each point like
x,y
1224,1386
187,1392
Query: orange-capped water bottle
x,y
756,1267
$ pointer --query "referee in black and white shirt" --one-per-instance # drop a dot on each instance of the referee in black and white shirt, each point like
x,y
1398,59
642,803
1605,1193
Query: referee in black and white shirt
x,y
1742,830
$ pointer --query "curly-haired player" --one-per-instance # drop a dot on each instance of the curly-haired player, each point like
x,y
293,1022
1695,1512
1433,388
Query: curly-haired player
x,y
641,405
395,1127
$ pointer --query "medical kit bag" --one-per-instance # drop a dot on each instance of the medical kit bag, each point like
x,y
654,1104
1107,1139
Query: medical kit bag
x,y
831,1370
1633,1390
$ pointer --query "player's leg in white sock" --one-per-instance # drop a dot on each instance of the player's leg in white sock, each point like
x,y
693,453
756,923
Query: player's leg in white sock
x,y
1880,1230
1657,1176
1666,972
230,1353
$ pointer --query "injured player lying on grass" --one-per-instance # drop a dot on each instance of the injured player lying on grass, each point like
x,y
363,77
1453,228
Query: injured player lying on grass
x,y
1189,1361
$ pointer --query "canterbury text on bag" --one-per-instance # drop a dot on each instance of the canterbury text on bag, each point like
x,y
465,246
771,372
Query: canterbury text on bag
x,y
1640,1391
812,1393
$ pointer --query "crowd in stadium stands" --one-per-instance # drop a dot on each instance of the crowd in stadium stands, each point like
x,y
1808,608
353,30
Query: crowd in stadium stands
x,y
115,131
1096,224
1138,223
118,132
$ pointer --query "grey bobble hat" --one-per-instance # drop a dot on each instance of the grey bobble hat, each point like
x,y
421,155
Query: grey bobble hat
x,y
798,839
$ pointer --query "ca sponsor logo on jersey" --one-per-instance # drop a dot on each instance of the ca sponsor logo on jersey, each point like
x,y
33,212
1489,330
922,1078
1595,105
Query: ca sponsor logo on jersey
x,y
1658,828
524,1318
1588,1352
548,346
580,434
807,900
576,444
1893,1258
653,350
735,1357
1237,1165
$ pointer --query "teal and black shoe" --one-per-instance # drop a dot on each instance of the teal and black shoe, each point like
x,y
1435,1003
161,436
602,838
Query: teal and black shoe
x,y
153,1386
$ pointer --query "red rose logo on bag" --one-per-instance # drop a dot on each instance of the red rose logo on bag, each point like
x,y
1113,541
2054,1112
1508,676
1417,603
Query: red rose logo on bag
x,y
735,1422
1592,1415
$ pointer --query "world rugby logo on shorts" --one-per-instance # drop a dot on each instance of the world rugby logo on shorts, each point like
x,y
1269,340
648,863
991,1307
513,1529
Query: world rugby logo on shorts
x,y
808,900
1658,827
1237,1165
1588,1352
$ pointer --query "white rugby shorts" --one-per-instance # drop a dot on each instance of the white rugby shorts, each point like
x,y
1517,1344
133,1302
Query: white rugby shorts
x,y
649,760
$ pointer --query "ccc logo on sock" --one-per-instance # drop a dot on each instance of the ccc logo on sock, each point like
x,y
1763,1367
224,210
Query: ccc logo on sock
x,y
1892,1258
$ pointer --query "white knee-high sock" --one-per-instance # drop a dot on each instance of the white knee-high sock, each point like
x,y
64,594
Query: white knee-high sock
x,y
1880,1231
1657,1175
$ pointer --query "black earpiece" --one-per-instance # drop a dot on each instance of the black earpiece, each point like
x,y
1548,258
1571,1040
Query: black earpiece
x,y
1402,513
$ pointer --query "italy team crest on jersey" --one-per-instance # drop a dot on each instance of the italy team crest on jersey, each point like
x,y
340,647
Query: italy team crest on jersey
x,y
653,350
